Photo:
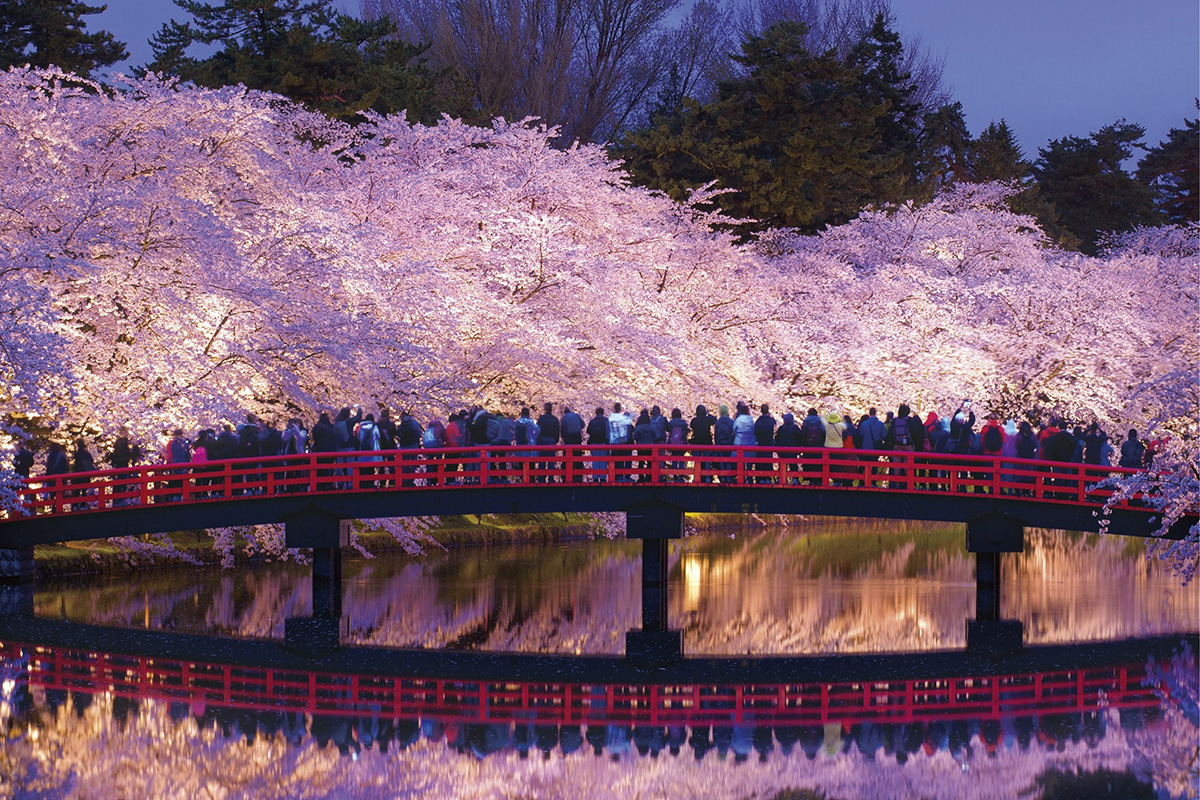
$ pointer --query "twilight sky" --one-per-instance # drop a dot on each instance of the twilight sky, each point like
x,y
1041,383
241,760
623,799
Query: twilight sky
x,y
1051,68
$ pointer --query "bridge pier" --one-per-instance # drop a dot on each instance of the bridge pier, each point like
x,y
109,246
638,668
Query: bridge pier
x,y
326,534
16,564
656,523
988,537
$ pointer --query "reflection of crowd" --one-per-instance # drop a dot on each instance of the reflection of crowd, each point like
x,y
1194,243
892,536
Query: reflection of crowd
x,y
353,733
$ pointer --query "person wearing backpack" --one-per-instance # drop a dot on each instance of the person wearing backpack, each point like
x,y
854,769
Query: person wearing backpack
x,y
873,433
677,434
548,434
597,432
724,434
367,437
764,436
525,433
812,434
571,428
702,435
993,436
387,430
659,423
788,437
620,432
1025,446
409,434
1133,451
907,435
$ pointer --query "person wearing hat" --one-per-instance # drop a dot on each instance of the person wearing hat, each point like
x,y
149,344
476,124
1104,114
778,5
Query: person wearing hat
x,y
834,428
992,436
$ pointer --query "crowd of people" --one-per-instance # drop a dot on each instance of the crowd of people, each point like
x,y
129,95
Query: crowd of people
x,y
353,430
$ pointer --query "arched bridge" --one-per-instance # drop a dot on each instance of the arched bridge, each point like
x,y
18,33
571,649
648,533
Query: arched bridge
x,y
317,495
697,479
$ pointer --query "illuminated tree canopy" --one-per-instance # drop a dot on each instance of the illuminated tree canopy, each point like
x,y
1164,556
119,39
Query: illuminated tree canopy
x,y
175,256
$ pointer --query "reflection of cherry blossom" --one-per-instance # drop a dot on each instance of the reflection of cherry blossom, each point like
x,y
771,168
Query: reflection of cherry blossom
x,y
1173,761
151,755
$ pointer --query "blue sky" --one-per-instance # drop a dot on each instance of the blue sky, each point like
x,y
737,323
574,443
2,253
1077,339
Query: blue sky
x,y
1051,68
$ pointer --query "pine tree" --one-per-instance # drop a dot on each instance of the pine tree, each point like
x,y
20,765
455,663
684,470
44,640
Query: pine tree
x,y
943,150
1172,171
42,33
803,140
305,50
1089,188
996,156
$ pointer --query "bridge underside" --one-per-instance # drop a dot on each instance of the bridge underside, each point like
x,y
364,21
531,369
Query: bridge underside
x,y
558,498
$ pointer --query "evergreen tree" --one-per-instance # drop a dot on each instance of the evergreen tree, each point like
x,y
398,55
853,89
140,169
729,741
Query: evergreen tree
x,y
305,50
803,140
1083,178
996,156
943,151
1172,171
42,33
884,83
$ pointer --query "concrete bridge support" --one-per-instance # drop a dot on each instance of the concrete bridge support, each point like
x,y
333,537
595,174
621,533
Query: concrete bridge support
x,y
988,537
16,564
656,523
326,534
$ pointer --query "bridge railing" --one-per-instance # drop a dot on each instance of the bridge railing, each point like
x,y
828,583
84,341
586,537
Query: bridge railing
x,y
272,689
615,466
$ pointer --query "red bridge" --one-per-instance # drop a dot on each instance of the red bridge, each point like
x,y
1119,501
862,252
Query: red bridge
x,y
357,485
316,496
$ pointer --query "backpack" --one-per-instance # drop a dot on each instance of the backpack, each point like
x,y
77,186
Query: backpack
x,y
723,431
901,435
479,429
493,429
812,433
429,439
368,436
571,424
248,444
678,435
522,431
179,451
410,432
992,441
1027,446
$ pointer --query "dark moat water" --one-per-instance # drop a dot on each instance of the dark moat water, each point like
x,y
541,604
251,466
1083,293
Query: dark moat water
x,y
1082,721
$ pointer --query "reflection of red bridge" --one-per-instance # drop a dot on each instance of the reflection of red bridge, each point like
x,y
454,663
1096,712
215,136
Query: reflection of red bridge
x,y
356,485
893,701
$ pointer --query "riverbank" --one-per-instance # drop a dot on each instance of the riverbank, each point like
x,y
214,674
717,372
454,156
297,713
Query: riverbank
x,y
101,555
452,533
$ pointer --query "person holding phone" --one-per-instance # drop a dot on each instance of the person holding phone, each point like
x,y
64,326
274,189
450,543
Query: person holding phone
x,y
961,426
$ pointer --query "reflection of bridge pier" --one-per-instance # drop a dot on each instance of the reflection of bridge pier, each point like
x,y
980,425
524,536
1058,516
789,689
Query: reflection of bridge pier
x,y
326,534
988,537
656,523
16,599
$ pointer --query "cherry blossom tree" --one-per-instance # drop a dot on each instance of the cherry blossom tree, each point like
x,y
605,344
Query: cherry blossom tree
x,y
172,256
